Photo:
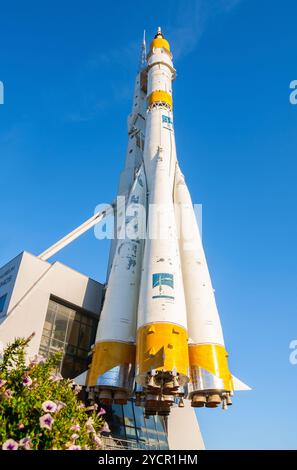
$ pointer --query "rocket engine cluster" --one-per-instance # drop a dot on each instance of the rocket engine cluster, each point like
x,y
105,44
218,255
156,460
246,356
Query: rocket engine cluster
x,y
159,336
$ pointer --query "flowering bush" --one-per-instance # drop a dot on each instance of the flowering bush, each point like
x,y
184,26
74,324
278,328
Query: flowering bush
x,y
39,409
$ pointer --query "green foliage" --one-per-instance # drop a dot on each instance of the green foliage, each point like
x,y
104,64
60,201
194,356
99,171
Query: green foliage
x,y
41,410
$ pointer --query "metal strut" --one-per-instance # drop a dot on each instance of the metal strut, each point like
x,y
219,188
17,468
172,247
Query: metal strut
x,y
95,219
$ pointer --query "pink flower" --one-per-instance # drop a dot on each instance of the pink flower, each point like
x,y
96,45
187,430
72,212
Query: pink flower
x,y
7,393
27,381
37,359
26,443
21,426
77,389
105,427
89,425
60,405
97,441
101,412
10,444
75,427
74,436
49,406
2,382
55,377
74,447
46,421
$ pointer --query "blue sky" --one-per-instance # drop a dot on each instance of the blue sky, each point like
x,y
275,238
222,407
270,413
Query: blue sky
x,y
68,70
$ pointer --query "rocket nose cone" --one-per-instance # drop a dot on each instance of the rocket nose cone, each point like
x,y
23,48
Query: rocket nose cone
x,y
159,41
159,33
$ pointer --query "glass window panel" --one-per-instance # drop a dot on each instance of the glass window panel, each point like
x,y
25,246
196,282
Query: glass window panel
x,y
140,424
87,320
160,424
163,445
151,430
67,366
59,331
45,341
78,367
84,338
66,311
79,316
116,421
71,350
117,411
131,432
73,333
57,345
150,424
71,314
44,346
49,320
81,353
128,414
65,329
52,305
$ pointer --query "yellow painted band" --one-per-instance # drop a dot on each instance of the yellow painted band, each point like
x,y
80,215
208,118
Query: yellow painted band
x,y
109,354
162,346
213,358
159,96
160,43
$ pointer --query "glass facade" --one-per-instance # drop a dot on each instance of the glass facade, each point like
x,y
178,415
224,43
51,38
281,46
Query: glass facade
x,y
127,423
73,331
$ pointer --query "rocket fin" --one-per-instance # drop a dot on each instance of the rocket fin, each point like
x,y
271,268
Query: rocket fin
x,y
239,385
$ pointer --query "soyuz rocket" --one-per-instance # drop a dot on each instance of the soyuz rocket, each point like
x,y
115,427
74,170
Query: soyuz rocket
x,y
159,336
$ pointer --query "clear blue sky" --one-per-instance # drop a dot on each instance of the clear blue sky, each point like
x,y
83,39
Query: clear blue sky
x,y
68,69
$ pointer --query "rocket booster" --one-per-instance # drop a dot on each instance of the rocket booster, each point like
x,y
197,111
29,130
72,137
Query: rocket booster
x,y
113,362
159,334
211,381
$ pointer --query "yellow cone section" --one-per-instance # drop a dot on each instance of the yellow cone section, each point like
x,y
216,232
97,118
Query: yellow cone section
x,y
160,43
213,358
162,346
158,96
109,354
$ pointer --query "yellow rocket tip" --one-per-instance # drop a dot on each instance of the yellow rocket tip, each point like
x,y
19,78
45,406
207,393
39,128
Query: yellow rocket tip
x,y
159,41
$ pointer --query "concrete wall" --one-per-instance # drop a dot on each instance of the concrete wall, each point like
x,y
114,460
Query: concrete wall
x,y
183,429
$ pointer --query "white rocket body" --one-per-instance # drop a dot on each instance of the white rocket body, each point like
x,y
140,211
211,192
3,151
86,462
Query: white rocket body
x,y
159,312
162,352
